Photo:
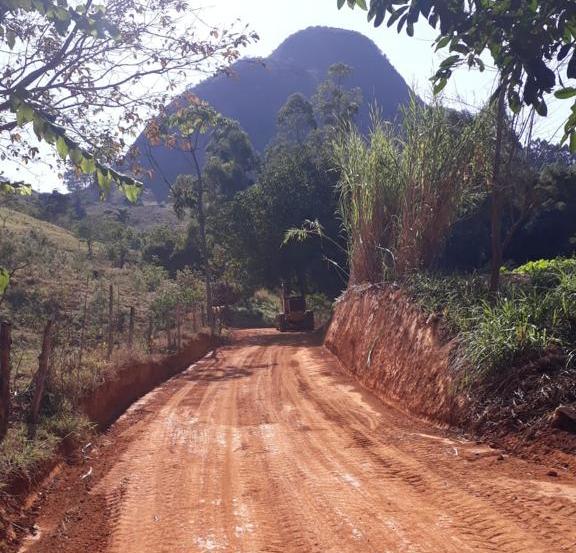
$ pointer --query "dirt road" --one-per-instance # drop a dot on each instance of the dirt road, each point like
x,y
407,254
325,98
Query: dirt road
x,y
268,447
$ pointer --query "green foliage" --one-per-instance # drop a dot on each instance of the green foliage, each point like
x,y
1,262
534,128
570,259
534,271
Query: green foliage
x,y
296,184
336,106
525,39
260,310
401,190
20,457
527,319
4,280
558,267
10,187
296,118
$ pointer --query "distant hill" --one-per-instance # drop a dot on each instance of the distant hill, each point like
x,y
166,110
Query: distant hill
x,y
258,89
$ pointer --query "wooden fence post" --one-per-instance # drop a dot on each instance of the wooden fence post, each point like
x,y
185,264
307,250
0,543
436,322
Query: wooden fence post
x,y
110,322
41,376
131,327
178,329
5,344
149,334
83,330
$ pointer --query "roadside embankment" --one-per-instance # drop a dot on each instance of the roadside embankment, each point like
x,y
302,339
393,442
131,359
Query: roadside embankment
x,y
102,406
395,351
406,358
105,404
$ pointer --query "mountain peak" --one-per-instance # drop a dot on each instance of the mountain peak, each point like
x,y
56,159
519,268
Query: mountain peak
x,y
257,91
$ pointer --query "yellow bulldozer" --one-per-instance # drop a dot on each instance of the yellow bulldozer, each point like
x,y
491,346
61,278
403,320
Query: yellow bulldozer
x,y
294,316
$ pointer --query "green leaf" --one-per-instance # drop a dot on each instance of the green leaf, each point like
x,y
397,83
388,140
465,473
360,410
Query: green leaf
x,y
362,4
514,101
395,15
10,38
440,85
571,71
76,156
88,165
450,61
573,142
104,180
341,4
38,125
565,93
62,147
24,115
132,192
4,280
541,108
443,42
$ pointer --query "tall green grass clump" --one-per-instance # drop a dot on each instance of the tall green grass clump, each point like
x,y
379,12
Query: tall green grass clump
x,y
370,196
402,189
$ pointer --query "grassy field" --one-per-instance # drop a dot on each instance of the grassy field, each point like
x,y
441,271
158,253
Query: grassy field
x,y
56,278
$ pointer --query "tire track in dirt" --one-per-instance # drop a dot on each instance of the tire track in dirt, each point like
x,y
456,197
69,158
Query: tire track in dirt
x,y
268,447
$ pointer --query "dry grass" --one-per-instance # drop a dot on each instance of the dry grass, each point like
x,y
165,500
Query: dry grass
x,y
401,190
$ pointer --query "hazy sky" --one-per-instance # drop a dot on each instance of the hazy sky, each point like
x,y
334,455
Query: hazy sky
x,y
414,58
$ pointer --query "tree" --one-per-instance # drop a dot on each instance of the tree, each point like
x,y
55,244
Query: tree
x,y
296,183
296,118
230,160
184,129
532,43
87,232
88,76
333,103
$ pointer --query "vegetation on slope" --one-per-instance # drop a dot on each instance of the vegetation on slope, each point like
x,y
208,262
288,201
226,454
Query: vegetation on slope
x,y
56,276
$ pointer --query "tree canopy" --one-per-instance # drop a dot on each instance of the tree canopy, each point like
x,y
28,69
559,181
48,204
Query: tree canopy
x,y
532,43
85,76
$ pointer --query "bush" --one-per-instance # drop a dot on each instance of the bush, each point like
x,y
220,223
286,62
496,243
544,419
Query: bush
x,y
495,333
547,272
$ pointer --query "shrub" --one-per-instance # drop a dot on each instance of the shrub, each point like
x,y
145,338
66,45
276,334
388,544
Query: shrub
x,y
494,333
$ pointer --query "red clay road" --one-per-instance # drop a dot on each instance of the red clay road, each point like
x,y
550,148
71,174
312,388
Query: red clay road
x,y
269,447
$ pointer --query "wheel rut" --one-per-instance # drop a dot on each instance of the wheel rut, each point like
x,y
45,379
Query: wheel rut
x,y
268,447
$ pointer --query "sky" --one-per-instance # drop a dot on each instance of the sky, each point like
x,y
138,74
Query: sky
x,y
413,57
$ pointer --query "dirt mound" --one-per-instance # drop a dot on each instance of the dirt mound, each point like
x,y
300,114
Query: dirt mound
x,y
395,351
516,408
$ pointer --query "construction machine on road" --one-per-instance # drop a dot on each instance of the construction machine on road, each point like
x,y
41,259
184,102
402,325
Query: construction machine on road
x,y
294,314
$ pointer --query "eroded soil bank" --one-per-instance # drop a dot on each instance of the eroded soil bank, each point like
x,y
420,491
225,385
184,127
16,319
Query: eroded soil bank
x,y
105,404
403,356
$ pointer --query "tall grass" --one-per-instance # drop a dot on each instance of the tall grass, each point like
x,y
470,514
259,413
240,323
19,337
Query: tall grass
x,y
370,197
402,189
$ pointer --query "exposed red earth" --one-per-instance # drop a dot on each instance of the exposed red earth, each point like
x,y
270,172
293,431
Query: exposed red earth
x,y
269,446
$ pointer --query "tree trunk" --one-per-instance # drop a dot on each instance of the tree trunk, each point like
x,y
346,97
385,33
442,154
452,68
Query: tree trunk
x,y
203,240
83,329
41,377
5,345
497,197
178,329
149,336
